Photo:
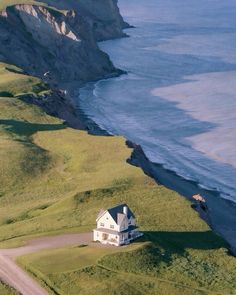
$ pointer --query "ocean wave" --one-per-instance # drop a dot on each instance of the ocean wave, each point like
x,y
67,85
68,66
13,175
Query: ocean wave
x,y
179,105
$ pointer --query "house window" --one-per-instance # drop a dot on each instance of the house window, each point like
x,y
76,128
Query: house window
x,y
111,226
102,224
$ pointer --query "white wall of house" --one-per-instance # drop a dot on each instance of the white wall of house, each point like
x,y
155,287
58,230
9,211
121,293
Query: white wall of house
x,y
106,221
132,221
108,238
124,224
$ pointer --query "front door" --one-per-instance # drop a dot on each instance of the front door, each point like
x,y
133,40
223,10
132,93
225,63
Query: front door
x,y
104,236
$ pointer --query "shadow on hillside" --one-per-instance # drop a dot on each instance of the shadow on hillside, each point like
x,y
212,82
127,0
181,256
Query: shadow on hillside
x,y
6,94
16,71
22,128
178,242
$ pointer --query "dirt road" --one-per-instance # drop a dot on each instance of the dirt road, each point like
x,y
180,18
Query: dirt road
x,y
16,277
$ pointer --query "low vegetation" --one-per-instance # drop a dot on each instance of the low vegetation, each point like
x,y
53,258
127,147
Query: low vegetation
x,y
14,82
45,166
178,254
54,179
6,3
5,290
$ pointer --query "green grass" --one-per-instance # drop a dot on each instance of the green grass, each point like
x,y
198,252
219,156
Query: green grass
x,y
54,179
83,276
5,290
45,165
178,251
6,3
13,82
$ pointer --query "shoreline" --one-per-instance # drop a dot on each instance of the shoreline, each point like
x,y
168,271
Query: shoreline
x,y
220,212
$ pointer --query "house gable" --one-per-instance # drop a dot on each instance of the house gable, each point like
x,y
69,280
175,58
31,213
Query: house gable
x,y
117,218
116,226
119,209
106,221
124,223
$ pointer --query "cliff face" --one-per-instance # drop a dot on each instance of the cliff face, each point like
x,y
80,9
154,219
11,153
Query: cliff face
x,y
57,42
103,16
38,40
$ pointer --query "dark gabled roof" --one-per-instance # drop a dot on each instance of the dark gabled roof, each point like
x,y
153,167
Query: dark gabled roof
x,y
119,209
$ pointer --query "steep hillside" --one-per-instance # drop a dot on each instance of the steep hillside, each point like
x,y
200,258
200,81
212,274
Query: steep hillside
x,y
43,40
57,42
102,15
54,179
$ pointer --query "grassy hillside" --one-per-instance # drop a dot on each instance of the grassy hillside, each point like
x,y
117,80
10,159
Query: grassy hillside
x,y
55,179
13,82
5,3
178,254
45,165
5,290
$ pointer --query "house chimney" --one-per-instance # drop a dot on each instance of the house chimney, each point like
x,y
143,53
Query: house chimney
x,y
125,210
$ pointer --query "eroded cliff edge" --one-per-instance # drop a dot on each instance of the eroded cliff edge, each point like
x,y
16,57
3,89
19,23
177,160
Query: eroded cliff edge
x,y
58,43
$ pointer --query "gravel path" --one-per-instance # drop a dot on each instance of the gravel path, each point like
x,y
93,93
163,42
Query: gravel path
x,y
16,277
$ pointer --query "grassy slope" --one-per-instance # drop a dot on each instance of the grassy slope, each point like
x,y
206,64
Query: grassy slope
x,y
6,3
55,179
177,255
5,290
13,82
44,166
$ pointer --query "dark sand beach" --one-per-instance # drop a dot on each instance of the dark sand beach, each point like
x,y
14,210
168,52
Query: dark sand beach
x,y
220,213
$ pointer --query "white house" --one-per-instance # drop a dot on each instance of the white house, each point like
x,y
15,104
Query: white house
x,y
116,226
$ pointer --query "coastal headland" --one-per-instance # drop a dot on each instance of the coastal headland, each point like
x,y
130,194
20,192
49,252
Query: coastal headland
x,y
54,179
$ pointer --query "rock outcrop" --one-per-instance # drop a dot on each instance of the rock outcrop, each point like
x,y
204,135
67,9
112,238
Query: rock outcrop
x,y
102,15
42,40
57,42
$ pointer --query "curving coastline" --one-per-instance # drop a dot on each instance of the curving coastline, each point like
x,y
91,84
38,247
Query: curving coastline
x,y
220,224
220,212
61,104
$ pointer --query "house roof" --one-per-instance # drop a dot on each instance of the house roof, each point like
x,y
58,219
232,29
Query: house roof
x,y
101,212
117,213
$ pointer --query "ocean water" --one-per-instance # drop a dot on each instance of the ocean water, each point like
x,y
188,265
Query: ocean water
x,y
178,99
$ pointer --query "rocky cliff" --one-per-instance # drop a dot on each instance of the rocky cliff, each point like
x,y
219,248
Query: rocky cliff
x,y
42,40
103,16
57,40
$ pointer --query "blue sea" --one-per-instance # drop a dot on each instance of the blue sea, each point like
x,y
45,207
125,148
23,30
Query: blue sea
x,y
178,98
